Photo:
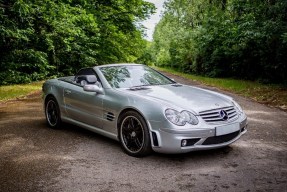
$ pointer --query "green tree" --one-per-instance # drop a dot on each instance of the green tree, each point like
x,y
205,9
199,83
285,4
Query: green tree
x,y
227,38
45,38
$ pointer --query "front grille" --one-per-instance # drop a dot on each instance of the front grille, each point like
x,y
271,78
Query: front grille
x,y
213,116
220,139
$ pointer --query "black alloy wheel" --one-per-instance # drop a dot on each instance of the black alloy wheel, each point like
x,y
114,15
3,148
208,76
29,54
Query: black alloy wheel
x,y
52,113
134,134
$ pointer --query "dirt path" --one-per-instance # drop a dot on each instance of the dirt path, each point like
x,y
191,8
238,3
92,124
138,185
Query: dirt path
x,y
36,158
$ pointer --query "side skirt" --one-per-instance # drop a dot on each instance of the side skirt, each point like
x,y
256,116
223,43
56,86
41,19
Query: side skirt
x,y
91,128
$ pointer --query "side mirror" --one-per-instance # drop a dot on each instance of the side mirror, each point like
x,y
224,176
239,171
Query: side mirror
x,y
93,88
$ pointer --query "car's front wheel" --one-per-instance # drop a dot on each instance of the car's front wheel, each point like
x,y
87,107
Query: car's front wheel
x,y
134,134
52,113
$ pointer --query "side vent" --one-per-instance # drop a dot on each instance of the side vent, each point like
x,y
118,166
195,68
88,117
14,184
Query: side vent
x,y
110,116
154,138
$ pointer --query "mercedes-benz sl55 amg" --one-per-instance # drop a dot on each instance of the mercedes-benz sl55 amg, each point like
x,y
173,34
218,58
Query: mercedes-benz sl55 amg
x,y
143,109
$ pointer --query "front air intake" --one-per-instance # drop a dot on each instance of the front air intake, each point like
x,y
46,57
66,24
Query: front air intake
x,y
220,139
154,139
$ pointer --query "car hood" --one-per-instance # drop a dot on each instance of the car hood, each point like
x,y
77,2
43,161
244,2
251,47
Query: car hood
x,y
185,97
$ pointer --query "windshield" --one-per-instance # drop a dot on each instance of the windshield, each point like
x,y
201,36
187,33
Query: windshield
x,y
128,76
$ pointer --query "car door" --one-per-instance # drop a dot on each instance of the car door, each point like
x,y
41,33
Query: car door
x,y
82,106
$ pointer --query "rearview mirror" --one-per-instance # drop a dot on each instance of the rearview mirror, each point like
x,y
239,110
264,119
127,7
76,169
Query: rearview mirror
x,y
93,88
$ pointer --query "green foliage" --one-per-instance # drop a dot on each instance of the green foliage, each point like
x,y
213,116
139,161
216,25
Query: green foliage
x,y
147,56
39,39
243,39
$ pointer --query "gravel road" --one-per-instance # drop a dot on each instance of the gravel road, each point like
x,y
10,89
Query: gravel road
x,y
36,158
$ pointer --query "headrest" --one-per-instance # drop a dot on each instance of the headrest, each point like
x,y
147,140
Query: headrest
x,y
91,79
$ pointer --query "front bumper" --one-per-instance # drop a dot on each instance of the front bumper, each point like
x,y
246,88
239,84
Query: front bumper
x,y
170,140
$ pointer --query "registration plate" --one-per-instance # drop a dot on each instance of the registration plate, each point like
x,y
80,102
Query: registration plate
x,y
226,129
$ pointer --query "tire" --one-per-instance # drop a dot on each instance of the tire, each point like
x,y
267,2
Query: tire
x,y
134,134
52,113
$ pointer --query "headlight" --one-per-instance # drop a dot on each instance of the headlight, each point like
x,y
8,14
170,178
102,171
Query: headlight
x,y
181,118
237,106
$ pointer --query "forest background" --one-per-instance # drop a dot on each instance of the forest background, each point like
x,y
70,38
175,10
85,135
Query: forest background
x,y
243,39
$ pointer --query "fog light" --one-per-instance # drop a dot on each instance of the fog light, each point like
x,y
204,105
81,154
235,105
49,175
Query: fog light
x,y
183,142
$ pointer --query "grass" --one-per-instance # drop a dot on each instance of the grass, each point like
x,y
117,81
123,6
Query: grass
x,y
15,91
273,95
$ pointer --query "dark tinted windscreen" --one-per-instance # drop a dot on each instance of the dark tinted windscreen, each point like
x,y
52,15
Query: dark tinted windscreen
x,y
134,75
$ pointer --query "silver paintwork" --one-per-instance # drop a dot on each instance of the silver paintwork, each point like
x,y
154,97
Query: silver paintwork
x,y
99,111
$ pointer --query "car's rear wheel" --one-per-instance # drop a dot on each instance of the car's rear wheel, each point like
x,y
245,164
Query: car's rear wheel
x,y
134,134
52,113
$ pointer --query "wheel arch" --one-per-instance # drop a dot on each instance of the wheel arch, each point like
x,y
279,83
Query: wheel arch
x,y
131,109
135,110
50,95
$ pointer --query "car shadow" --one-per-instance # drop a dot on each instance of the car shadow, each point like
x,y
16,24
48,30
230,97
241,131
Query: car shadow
x,y
84,135
196,154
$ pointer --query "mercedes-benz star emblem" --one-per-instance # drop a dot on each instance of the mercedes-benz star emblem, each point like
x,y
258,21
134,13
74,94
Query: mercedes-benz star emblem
x,y
223,114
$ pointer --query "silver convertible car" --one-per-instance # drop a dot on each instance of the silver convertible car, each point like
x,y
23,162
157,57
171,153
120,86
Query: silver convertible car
x,y
143,109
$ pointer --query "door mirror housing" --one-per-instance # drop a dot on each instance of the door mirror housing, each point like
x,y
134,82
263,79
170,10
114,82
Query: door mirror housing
x,y
93,88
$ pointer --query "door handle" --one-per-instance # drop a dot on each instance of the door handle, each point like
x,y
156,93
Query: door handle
x,y
68,91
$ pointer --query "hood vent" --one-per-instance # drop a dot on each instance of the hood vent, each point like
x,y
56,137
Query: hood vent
x,y
177,85
136,88
109,116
